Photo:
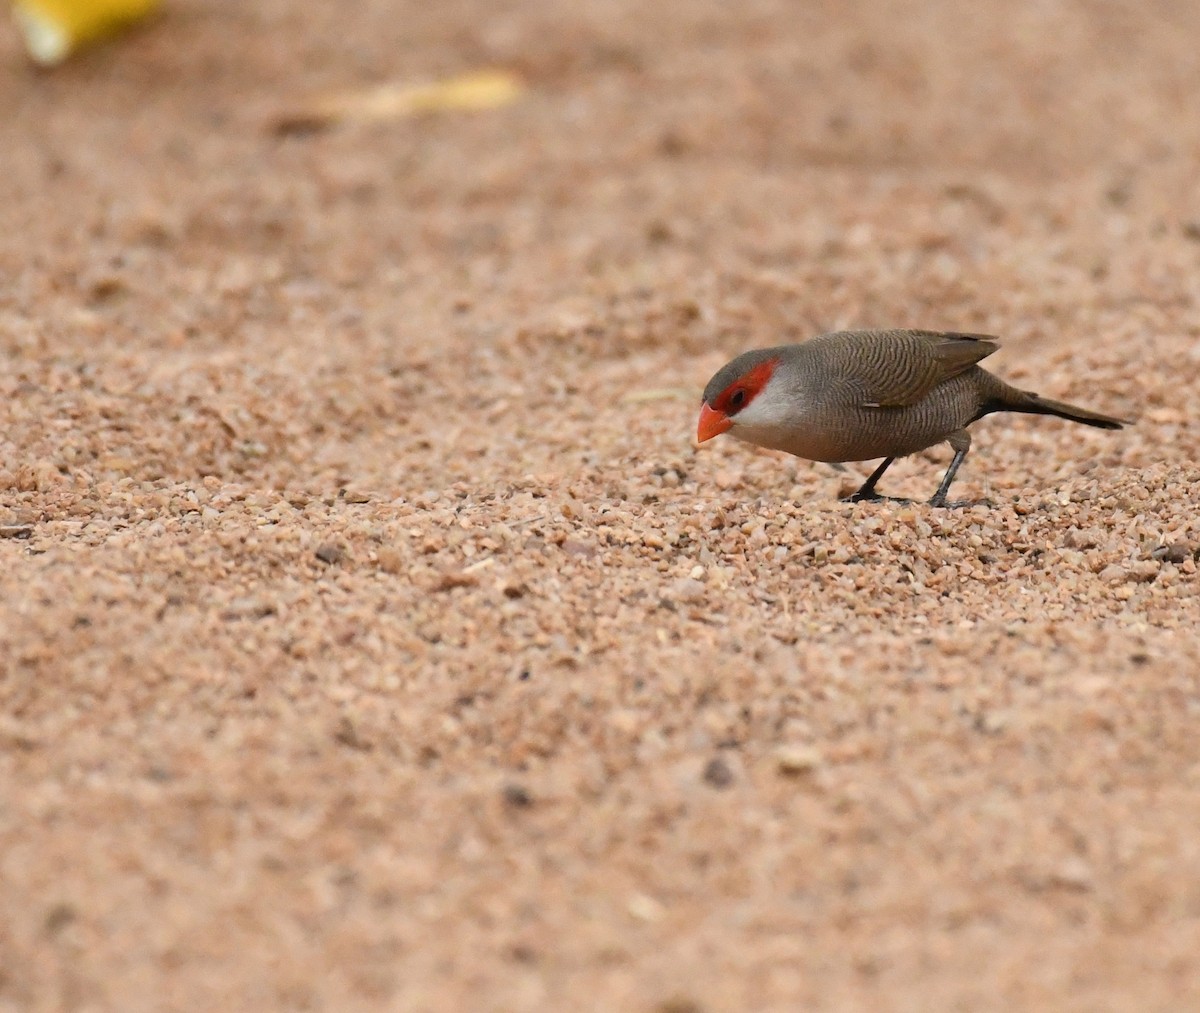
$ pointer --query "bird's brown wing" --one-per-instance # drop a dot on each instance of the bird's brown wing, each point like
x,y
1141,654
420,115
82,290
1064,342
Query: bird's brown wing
x,y
898,368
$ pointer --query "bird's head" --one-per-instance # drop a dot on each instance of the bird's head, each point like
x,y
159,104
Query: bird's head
x,y
736,394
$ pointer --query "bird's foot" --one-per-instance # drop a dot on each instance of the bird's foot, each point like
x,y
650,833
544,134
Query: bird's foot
x,y
873,497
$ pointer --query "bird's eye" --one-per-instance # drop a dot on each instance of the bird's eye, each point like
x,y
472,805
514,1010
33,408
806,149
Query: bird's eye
x,y
737,399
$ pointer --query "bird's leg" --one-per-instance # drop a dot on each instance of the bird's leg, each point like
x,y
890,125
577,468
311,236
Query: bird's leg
x,y
867,492
961,442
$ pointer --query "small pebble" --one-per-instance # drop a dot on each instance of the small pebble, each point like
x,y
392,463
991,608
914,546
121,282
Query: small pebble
x,y
687,590
795,761
330,554
717,773
516,796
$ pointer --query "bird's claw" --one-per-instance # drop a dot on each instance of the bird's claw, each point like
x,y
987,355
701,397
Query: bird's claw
x,y
874,497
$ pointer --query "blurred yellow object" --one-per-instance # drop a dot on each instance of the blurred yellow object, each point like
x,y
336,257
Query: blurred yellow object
x,y
485,89
54,29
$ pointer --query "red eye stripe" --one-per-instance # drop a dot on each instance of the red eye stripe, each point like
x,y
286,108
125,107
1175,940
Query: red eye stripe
x,y
749,384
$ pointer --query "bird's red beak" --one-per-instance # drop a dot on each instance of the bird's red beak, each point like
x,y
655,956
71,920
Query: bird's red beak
x,y
712,423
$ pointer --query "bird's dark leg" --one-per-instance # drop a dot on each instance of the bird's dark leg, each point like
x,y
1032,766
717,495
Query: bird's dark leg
x,y
961,442
867,492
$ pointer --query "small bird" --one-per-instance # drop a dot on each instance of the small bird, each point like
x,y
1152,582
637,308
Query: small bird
x,y
862,395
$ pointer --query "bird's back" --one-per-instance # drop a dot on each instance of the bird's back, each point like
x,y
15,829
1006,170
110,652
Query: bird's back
x,y
894,368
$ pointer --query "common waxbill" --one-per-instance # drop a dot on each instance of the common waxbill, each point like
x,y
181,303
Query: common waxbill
x,y
861,395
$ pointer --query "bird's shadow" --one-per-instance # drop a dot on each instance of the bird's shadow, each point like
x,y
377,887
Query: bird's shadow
x,y
958,504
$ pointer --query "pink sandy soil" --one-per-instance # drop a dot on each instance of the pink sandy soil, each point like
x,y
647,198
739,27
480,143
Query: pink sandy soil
x,y
374,635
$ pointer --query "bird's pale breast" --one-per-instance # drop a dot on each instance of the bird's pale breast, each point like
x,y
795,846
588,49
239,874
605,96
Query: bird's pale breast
x,y
830,424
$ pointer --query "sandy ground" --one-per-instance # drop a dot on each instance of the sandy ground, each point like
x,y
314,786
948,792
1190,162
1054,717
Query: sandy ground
x,y
373,633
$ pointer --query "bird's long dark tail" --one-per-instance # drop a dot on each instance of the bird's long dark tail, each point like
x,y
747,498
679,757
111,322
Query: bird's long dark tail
x,y
1038,405
1029,403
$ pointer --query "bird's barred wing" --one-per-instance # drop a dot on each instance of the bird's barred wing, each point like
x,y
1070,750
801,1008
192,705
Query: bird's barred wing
x,y
899,368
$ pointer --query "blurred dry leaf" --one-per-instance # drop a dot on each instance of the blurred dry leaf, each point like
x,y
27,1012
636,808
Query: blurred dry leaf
x,y
656,394
487,89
